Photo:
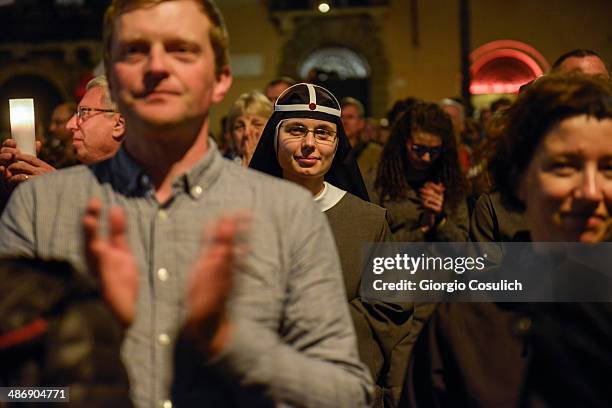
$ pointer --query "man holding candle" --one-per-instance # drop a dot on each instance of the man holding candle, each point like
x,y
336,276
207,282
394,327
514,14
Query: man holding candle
x,y
283,336
97,130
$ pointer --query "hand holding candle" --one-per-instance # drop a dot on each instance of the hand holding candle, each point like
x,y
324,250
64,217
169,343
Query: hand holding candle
x,y
22,124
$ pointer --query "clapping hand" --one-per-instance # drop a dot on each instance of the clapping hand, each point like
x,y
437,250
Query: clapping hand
x,y
112,260
211,280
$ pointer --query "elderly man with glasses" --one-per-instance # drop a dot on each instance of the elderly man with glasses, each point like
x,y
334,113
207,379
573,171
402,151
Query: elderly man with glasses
x,y
97,132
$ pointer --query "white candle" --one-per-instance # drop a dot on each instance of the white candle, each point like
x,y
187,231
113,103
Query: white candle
x,y
22,124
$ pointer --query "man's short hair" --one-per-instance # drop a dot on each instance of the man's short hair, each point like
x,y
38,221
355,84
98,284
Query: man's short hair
x,y
219,38
249,103
577,53
102,82
350,101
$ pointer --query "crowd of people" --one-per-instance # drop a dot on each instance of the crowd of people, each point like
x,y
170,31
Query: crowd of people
x,y
146,264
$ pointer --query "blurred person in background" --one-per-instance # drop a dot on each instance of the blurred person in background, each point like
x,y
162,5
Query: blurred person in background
x,y
419,180
386,124
245,122
378,131
224,139
353,120
478,174
399,107
98,129
277,86
586,61
456,110
577,60
500,105
57,148
367,153
370,130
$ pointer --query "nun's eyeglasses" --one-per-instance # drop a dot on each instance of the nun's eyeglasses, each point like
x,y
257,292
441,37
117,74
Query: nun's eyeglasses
x,y
320,134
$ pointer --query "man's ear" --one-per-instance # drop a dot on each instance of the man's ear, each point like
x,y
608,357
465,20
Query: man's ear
x,y
223,83
119,127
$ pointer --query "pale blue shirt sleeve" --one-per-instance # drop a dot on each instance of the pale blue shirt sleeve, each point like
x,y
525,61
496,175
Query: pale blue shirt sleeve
x,y
17,233
313,362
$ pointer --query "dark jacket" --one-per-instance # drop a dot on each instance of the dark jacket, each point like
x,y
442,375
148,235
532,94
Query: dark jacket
x,y
405,216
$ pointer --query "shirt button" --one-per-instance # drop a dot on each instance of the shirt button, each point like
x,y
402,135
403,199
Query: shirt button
x,y
196,191
162,274
162,215
163,339
166,404
144,181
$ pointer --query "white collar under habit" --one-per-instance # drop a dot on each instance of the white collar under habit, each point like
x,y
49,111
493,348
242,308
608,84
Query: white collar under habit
x,y
329,197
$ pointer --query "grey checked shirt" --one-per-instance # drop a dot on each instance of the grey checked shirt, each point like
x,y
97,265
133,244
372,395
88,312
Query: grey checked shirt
x,y
293,343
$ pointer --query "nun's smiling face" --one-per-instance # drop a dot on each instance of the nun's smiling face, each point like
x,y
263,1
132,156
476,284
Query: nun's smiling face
x,y
306,148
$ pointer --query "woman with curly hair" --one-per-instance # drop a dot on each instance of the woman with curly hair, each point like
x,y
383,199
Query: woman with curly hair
x,y
419,179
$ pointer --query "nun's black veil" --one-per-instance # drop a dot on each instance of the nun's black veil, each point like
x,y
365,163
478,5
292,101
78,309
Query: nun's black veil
x,y
344,172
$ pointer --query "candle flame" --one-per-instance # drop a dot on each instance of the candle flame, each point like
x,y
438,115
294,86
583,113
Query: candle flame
x,y
21,111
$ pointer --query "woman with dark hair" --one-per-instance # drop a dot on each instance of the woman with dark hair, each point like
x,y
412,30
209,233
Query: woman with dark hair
x,y
304,142
419,179
557,166
561,173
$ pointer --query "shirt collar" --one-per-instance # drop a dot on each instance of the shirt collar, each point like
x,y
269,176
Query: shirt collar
x,y
131,179
329,197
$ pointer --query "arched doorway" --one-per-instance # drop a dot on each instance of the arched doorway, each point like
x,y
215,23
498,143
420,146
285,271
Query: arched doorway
x,y
344,61
341,70
46,97
357,43
501,67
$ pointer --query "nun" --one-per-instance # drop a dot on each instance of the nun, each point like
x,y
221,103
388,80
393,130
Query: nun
x,y
304,142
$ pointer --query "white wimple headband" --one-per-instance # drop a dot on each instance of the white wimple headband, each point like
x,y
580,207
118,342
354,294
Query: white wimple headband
x,y
311,107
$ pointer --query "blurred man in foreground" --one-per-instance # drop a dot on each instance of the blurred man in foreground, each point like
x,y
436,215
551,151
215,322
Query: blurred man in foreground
x,y
284,336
